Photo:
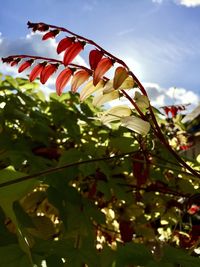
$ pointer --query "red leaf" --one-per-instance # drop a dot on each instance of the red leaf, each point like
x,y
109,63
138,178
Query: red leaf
x,y
36,71
72,52
50,34
173,111
62,80
25,65
140,169
126,230
94,57
79,78
120,75
64,44
103,66
47,72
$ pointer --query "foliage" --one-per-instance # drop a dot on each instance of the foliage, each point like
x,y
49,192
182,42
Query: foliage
x,y
82,186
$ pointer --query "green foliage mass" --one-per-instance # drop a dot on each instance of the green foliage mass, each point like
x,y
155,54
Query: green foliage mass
x,y
125,209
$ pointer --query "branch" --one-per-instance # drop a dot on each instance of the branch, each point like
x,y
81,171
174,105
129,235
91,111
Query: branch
x,y
57,169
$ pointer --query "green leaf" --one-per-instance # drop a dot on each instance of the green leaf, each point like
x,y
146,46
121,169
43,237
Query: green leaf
x,y
54,261
13,256
15,191
178,256
132,254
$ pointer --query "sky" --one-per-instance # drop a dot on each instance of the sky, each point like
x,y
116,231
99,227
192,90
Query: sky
x,y
158,39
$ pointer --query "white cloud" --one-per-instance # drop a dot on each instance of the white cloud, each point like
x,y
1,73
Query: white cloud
x,y
160,96
188,3
157,1
31,44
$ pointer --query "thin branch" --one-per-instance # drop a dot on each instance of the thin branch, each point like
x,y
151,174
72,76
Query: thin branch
x,y
91,42
57,169
50,60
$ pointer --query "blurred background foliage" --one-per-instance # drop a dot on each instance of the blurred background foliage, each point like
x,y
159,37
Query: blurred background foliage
x,y
129,208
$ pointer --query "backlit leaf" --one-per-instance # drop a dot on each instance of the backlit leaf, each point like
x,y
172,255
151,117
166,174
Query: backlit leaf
x,y
79,78
89,89
94,57
72,52
141,100
36,71
50,34
136,124
115,114
103,66
62,80
120,75
47,71
101,98
25,65
64,44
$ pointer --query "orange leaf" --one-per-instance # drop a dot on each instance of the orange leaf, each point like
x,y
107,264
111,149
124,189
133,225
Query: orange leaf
x,y
103,66
120,76
62,80
36,71
79,78
64,44
94,57
72,52
50,34
47,72
25,65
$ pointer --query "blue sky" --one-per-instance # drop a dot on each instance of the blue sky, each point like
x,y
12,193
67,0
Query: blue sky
x,y
159,39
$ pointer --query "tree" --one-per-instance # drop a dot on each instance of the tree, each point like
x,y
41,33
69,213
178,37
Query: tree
x,y
91,190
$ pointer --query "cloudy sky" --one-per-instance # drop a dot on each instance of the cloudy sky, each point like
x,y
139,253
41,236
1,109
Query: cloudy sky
x,y
158,39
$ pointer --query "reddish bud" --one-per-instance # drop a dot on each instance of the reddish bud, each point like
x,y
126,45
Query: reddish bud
x,y
25,65
94,57
50,34
72,52
64,44
193,209
47,72
7,59
62,80
42,27
36,71
15,62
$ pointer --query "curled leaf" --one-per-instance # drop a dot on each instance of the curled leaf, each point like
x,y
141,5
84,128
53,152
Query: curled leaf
x,y
64,44
103,66
89,89
72,52
141,100
50,34
25,65
79,78
136,124
101,98
47,72
120,75
36,71
62,80
94,57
